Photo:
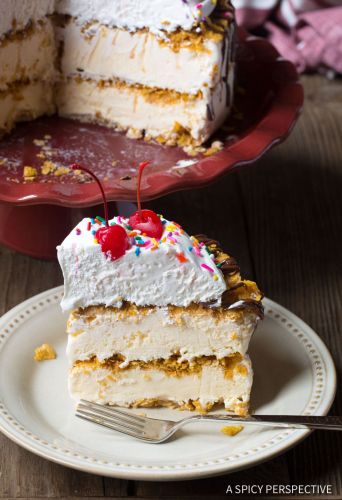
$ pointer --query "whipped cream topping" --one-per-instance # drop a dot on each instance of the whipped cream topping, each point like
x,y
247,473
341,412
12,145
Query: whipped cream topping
x,y
156,15
16,14
175,270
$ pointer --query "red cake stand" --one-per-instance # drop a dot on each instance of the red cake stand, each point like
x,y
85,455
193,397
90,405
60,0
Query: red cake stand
x,y
35,215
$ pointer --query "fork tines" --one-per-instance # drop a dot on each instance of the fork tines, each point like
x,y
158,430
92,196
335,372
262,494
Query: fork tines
x,y
112,418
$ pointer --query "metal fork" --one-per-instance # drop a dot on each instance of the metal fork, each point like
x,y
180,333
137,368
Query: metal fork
x,y
152,430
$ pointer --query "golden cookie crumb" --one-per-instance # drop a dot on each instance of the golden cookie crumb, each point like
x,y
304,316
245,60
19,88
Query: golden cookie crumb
x,y
48,167
61,171
44,352
231,430
29,173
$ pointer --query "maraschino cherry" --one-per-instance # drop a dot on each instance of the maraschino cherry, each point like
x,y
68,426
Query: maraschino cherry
x,y
114,240
146,221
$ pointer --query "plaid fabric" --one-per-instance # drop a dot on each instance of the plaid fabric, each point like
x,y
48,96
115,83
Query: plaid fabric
x,y
308,32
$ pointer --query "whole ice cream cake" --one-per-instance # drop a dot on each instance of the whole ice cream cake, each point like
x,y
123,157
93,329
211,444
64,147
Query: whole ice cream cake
x,y
156,69
157,317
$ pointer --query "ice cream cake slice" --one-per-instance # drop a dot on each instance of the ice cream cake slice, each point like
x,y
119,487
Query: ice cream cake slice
x,y
167,323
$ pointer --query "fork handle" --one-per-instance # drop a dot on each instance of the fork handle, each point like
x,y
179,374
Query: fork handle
x,y
329,423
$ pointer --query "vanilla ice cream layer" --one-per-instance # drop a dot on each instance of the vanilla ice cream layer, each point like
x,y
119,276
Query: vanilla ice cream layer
x,y
128,387
156,15
157,334
25,102
141,57
31,57
16,14
154,276
141,110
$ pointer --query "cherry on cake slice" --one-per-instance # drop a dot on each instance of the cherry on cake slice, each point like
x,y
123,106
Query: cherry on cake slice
x,y
157,317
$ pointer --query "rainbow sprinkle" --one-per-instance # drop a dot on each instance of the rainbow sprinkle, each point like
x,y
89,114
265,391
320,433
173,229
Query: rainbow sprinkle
x,y
210,269
137,251
197,251
181,257
78,231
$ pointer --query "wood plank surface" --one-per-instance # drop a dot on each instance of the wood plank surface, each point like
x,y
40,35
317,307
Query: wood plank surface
x,y
282,219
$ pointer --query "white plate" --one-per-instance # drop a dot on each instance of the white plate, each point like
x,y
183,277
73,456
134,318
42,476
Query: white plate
x,y
294,374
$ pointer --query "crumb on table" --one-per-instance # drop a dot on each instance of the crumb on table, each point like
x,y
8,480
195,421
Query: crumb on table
x,y
231,430
44,352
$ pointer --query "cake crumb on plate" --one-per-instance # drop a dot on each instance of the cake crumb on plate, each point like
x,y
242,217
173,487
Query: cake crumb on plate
x,y
29,173
44,352
231,430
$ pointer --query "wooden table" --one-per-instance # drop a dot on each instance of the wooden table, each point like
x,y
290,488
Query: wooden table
x,y
282,219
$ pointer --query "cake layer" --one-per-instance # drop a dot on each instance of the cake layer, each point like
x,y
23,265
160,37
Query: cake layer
x,y
166,116
158,333
25,101
198,386
28,55
185,61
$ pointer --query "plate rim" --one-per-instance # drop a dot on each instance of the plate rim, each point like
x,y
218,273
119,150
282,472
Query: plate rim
x,y
286,439
267,132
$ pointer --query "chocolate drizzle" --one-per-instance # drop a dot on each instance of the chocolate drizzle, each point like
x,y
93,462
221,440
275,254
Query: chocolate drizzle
x,y
231,300
229,265
250,304
228,97
210,113
203,238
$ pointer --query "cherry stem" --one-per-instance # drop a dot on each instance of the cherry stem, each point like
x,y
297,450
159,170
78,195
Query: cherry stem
x,y
76,166
141,169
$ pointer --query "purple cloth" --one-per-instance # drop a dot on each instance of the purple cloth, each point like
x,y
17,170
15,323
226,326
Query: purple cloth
x,y
308,32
